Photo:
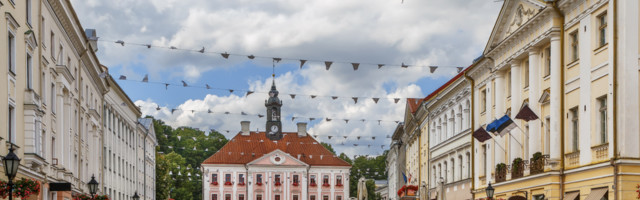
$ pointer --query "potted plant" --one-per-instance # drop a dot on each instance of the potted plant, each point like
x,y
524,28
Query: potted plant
x,y
537,164
228,183
101,197
214,183
517,168
277,183
24,188
259,183
325,185
295,184
313,184
241,184
501,172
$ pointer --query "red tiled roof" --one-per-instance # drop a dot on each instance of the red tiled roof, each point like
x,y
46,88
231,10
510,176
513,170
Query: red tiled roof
x,y
434,93
414,104
290,143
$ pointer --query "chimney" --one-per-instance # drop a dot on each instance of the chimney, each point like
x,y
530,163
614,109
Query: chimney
x,y
302,129
245,127
93,38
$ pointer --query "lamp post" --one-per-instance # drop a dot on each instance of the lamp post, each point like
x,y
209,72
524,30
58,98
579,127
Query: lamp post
x,y
135,196
11,163
93,186
489,190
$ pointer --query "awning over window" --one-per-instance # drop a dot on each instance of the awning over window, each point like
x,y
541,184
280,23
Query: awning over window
x,y
571,195
597,194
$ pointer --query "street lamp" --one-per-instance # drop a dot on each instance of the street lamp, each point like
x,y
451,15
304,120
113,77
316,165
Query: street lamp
x,y
93,186
489,191
11,163
135,196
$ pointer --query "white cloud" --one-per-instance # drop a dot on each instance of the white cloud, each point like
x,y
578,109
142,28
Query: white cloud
x,y
417,32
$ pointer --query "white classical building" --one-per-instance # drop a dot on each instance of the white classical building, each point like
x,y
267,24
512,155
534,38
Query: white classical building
x,y
450,145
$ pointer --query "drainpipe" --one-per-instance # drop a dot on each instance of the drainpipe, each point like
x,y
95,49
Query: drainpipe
x,y
615,100
473,157
554,4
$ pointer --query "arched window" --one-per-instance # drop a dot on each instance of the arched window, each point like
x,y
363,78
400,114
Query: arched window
x,y
434,137
453,170
440,133
461,120
445,127
445,172
453,122
460,167
467,116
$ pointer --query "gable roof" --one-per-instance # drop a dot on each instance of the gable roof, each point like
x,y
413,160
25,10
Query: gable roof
x,y
501,25
243,149
413,104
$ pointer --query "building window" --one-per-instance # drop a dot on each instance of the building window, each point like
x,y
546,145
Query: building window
x,y
508,79
484,159
240,196
312,197
338,180
325,180
241,178
258,196
11,125
53,98
227,178
460,167
547,136
259,178
53,44
547,61
602,102
574,46
325,197
296,180
602,29
526,73
312,179
227,197
277,197
11,46
575,128
214,197
42,88
29,72
483,102
338,197
295,197
469,165
277,179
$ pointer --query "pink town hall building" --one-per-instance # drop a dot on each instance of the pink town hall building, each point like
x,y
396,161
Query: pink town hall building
x,y
274,165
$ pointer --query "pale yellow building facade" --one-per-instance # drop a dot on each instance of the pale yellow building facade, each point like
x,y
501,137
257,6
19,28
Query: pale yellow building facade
x,y
575,64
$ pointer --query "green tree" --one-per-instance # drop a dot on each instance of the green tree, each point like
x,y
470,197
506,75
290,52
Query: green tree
x,y
163,179
328,147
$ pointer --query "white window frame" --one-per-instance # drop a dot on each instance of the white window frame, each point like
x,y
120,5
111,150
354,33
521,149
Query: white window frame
x,y
11,53
29,69
11,124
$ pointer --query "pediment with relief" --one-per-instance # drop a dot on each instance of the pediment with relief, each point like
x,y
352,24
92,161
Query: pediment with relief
x,y
514,14
278,158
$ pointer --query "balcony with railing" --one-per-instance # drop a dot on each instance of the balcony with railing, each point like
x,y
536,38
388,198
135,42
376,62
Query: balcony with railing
x,y
600,153
572,159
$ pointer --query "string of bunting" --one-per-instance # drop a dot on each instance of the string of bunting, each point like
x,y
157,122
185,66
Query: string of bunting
x,y
249,92
358,137
310,119
303,61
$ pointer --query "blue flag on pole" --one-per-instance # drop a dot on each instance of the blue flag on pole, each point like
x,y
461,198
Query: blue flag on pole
x,y
405,177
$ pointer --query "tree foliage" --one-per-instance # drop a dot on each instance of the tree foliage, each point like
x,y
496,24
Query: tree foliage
x,y
371,168
179,154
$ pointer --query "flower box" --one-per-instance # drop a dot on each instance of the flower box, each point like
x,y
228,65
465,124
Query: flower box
x,y
339,185
295,184
259,183
325,185
214,183
278,183
227,183
313,184
241,184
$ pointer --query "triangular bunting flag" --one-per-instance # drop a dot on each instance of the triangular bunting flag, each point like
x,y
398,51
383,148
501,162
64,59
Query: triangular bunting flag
x,y
460,69
209,111
355,145
481,135
345,137
172,47
328,119
404,66
293,118
329,137
395,100
260,116
373,138
173,110
334,97
397,122
146,78
328,64
123,77
346,121
148,46
311,119
313,96
277,60
225,55
230,91
355,66
201,50
249,92
158,108
166,86
355,99
184,84
120,42
302,63
375,100
358,137
432,68
251,57
293,96
380,66
243,113
207,85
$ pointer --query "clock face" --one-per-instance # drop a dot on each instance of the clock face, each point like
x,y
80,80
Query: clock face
x,y
274,128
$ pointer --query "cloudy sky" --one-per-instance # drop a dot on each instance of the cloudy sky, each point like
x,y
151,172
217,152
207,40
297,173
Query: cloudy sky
x,y
415,32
